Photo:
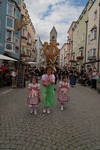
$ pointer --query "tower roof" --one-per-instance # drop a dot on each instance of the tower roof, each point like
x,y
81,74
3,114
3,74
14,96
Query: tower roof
x,y
54,30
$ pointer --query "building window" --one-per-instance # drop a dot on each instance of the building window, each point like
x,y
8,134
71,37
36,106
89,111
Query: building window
x,y
81,53
19,3
61,56
16,41
94,52
23,50
9,35
29,40
9,47
94,34
15,14
73,57
10,23
89,53
0,3
95,15
53,38
24,32
83,37
10,9
0,26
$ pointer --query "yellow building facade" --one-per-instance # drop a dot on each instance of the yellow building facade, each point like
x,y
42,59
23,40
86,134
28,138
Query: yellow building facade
x,y
27,38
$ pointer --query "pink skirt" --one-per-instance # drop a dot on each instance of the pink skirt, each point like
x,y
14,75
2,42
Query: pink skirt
x,y
63,97
33,100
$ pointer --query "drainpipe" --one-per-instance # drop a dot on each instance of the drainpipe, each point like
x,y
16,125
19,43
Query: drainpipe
x,y
86,42
98,40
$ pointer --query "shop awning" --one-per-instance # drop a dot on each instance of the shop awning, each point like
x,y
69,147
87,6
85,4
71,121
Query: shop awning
x,y
3,57
31,63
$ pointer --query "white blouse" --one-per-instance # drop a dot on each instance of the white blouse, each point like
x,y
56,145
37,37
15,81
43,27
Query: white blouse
x,y
51,77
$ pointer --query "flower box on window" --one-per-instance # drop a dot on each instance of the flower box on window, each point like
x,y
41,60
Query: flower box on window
x,y
79,57
73,61
17,47
28,43
23,37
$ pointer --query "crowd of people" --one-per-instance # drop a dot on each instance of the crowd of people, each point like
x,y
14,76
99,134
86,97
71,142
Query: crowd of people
x,y
65,78
49,76
8,75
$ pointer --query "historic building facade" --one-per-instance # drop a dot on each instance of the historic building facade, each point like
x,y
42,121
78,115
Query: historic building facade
x,y
9,38
63,55
70,54
93,37
80,34
28,51
40,58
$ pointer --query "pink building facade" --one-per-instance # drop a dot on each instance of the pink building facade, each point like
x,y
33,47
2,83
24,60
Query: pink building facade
x,y
70,54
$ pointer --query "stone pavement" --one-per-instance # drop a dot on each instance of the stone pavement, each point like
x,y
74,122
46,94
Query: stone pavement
x,y
5,90
75,128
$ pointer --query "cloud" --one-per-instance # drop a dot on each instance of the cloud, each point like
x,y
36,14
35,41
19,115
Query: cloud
x,y
48,13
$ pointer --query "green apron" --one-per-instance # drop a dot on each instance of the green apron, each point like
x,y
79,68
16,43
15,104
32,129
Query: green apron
x,y
48,96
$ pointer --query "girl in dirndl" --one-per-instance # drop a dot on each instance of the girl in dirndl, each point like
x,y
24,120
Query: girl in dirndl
x,y
48,94
34,95
63,91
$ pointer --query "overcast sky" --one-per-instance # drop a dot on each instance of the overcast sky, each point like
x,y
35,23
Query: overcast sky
x,y
59,13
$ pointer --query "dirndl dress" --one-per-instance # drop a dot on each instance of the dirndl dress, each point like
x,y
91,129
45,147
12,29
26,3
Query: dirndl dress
x,y
63,94
48,93
33,99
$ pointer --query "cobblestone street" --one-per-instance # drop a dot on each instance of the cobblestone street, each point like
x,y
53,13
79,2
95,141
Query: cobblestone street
x,y
75,128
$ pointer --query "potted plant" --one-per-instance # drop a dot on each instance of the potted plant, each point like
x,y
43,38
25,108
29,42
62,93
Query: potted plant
x,y
98,85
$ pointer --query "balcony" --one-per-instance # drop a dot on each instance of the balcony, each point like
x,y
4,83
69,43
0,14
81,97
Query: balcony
x,y
91,57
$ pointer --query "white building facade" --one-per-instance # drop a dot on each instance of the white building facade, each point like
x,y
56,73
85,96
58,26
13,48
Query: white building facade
x,y
63,55
93,37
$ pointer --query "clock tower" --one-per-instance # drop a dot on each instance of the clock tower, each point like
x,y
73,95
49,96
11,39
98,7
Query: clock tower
x,y
53,35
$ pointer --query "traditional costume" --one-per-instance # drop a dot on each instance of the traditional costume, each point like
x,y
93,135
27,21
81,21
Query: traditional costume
x,y
34,97
48,95
63,94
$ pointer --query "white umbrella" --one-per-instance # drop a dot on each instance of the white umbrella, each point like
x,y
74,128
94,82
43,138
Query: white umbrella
x,y
3,57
